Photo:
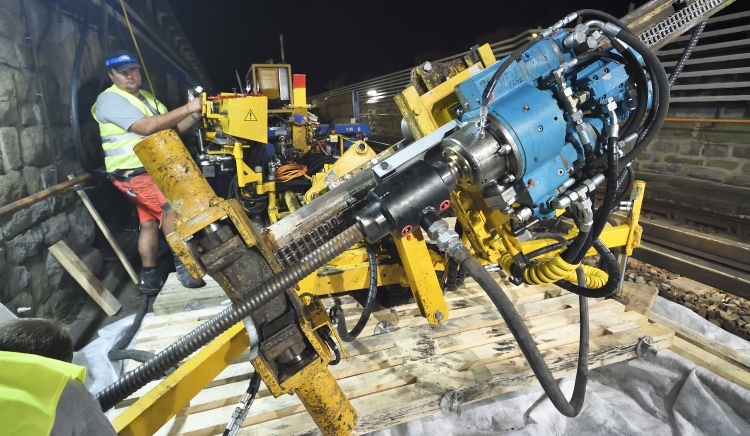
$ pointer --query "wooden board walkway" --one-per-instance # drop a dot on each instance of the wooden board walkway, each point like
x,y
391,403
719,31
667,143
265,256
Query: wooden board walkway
x,y
402,375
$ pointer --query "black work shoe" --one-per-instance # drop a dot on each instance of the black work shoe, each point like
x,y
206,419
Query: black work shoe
x,y
185,278
151,282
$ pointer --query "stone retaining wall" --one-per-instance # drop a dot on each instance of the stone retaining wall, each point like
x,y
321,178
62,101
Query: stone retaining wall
x,y
29,275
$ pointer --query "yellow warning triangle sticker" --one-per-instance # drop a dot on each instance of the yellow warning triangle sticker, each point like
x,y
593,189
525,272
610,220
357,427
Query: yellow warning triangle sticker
x,y
250,116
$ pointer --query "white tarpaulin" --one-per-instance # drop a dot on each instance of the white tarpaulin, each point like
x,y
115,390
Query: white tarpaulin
x,y
662,394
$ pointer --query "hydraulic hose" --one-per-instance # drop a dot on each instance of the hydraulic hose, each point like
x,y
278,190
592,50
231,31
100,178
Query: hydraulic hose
x,y
74,77
504,66
661,82
204,334
526,342
613,275
686,54
603,16
337,312
118,351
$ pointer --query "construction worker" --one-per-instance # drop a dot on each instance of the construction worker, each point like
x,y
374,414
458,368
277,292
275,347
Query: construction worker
x,y
41,392
126,114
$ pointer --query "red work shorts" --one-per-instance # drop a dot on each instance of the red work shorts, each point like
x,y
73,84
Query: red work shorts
x,y
148,199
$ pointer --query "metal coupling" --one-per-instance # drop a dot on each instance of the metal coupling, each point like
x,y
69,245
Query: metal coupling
x,y
576,37
559,24
523,214
483,111
582,131
626,206
584,211
447,240
608,29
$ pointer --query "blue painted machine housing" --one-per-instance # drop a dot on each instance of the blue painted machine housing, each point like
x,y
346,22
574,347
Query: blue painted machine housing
x,y
536,121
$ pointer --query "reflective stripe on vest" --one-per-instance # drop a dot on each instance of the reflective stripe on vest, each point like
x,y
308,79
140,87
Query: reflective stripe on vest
x,y
30,387
115,137
118,151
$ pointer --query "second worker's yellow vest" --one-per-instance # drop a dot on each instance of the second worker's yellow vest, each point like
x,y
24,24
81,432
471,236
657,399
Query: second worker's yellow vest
x,y
30,387
117,142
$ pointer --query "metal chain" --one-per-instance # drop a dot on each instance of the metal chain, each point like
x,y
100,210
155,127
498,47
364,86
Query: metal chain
x,y
679,21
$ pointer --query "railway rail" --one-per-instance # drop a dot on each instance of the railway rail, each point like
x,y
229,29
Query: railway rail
x,y
712,259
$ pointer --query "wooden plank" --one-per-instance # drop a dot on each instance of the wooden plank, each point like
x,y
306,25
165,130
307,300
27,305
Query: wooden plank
x,y
83,275
724,352
711,362
107,234
640,297
401,375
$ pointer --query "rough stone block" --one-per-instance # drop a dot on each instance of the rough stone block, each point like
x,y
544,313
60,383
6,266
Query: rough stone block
x,y
55,271
7,85
38,279
16,279
8,53
672,169
24,246
3,263
693,148
30,114
683,160
92,258
24,219
724,164
12,187
8,112
34,150
716,150
10,150
710,174
33,179
739,180
55,228
25,85
62,302
11,26
741,151
746,168
22,299
82,229
666,145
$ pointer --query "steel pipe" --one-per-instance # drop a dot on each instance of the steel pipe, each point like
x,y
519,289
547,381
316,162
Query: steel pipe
x,y
41,195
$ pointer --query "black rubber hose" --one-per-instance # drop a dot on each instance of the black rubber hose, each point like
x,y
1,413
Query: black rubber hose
x,y
118,351
661,98
628,174
610,192
575,247
603,16
613,272
74,77
526,342
504,66
544,250
639,76
337,312
204,334
686,54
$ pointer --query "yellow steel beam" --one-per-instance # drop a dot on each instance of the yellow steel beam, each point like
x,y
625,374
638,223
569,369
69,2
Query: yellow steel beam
x,y
421,276
160,404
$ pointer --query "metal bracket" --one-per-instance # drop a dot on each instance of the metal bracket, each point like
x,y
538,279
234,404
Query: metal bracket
x,y
452,401
645,347
383,327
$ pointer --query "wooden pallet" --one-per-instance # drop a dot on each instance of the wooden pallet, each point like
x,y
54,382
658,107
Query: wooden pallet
x,y
402,375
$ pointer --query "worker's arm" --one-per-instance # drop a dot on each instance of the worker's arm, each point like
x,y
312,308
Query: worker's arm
x,y
177,119
187,122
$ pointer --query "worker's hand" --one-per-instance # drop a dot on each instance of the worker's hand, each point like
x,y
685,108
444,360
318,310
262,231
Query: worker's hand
x,y
194,106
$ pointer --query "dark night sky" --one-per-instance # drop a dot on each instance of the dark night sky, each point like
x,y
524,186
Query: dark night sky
x,y
350,41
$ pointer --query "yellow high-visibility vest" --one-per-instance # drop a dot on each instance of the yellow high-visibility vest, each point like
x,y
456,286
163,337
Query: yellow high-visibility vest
x,y
30,387
117,142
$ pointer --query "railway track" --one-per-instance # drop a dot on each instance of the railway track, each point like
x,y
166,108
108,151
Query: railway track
x,y
707,258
